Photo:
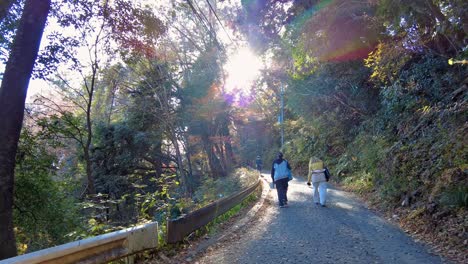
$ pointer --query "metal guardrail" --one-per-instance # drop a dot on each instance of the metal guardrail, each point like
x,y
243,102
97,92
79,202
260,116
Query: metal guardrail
x,y
178,228
99,249
119,244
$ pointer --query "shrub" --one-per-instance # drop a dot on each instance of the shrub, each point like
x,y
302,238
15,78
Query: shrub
x,y
455,197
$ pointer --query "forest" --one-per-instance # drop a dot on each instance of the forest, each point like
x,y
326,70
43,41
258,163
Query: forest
x,y
145,113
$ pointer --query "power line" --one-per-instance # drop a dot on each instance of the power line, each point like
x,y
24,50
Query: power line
x,y
198,15
219,21
206,19
207,25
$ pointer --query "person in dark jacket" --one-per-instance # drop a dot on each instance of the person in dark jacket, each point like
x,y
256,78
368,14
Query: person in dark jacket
x,y
280,171
259,164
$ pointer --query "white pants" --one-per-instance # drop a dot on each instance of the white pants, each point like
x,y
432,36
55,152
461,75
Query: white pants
x,y
320,191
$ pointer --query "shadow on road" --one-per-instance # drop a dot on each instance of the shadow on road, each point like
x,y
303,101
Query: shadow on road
x,y
343,232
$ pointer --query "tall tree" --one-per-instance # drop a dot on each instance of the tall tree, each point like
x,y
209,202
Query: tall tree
x,y
437,25
12,100
203,109
100,28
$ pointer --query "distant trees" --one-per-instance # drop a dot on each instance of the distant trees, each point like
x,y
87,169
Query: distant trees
x,y
203,110
205,117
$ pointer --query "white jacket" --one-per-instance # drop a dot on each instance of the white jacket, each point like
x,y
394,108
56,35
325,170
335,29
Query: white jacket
x,y
317,175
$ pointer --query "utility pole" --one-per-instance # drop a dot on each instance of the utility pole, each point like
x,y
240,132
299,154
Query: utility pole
x,y
282,116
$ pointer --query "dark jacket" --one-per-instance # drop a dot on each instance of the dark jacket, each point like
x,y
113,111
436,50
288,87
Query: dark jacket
x,y
277,161
258,162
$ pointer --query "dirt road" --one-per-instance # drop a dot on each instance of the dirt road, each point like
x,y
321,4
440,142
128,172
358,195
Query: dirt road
x,y
343,232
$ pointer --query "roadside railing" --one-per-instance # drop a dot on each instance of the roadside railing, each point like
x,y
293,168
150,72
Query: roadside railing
x,y
119,244
178,228
99,249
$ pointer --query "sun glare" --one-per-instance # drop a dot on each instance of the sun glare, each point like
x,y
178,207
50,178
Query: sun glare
x,y
242,68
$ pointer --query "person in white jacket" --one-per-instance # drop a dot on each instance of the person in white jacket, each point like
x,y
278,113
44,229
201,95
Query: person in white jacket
x,y
319,181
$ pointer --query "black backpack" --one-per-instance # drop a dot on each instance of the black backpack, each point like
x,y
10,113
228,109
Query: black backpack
x,y
327,174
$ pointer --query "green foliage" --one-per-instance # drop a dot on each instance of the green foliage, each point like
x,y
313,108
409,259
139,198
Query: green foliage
x,y
129,175
433,25
128,155
386,61
334,89
204,75
330,104
391,124
43,212
115,156
360,182
455,197
305,141
304,64
65,124
360,165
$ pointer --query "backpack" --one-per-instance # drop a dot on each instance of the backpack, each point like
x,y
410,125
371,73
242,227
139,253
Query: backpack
x,y
327,174
281,170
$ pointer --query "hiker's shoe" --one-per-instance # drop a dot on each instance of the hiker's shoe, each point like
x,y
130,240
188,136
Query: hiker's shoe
x,y
323,205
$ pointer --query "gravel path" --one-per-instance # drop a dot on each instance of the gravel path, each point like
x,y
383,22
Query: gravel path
x,y
343,232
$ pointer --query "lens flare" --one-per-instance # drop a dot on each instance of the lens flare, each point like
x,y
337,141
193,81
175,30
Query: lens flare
x,y
242,69
335,30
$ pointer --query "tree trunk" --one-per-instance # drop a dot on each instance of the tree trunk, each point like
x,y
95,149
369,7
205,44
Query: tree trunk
x,y
213,161
187,156
186,180
89,128
185,177
157,162
229,152
219,149
91,189
12,100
